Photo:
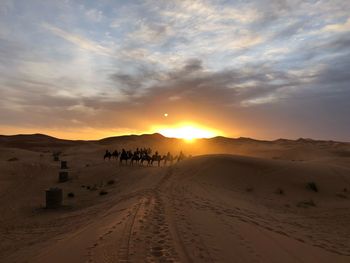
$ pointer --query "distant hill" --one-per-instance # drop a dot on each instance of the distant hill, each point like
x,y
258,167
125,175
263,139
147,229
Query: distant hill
x,y
34,141
130,138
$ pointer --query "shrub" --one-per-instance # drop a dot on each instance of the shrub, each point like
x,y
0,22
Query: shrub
x,y
111,182
312,186
103,192
279,191
13,159
71,195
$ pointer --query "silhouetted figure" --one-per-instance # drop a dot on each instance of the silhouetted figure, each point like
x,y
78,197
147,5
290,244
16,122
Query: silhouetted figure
x,y
115,154
156,158
146,158
107,155
149,151
124,156
135,158
168,158
141,155
181,157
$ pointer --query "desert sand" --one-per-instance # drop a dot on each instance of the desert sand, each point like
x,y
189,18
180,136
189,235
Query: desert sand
x,y
235,200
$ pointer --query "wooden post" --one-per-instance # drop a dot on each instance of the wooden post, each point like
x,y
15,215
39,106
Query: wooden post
x,y
64,165
54,197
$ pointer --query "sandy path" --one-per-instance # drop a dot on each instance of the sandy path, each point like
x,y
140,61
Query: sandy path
x,y
180,219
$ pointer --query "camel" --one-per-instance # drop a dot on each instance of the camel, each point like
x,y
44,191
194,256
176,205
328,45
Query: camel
x,y
147,158
135,158
181,157
115,154
169,158
107,155
157,158
142,155
125,156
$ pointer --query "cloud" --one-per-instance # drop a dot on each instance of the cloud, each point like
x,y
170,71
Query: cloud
x,y
193,83
6,6
79,41
338,27
94,15
150,33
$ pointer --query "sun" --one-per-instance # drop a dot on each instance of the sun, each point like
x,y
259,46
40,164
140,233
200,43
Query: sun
x,y
187,132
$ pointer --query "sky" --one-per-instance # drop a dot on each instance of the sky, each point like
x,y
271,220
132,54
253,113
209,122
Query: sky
x,y
265,69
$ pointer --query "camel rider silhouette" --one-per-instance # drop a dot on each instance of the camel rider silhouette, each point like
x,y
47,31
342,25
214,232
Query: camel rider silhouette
x,y
181,156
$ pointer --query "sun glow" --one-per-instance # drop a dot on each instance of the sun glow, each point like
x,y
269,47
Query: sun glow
x,y
188,132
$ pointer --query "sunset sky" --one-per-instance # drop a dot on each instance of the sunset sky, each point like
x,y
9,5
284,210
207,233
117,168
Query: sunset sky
x,y
92,69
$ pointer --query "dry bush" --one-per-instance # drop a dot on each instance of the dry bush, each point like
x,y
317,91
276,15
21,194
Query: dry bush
x,y
103,192
279,191
110,182
312,186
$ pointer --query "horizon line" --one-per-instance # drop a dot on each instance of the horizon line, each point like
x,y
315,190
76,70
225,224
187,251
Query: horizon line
x,y
157,133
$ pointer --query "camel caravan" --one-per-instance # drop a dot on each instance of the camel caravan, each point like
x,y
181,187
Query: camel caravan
x,y
142,156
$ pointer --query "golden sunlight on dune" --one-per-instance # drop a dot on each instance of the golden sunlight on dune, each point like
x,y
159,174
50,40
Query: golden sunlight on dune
x,y
188,132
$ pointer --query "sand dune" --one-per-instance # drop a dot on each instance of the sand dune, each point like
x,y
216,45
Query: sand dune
x,y
297,150
210,208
